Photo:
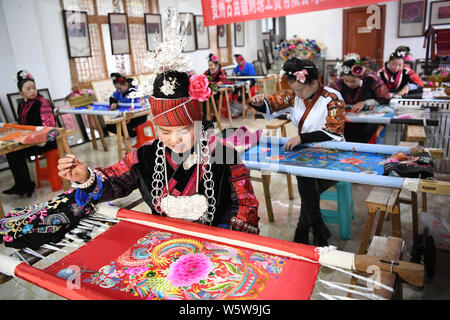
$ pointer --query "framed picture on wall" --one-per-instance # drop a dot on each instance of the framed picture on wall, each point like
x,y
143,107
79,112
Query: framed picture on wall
x,y
202,33
152,29
329,71
222,36
68,121
118,33
440,12
239,34
14,101
261,56
411,21
268,50
76,26
188,19
258,67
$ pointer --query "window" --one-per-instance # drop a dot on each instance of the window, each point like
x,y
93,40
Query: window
x,y
102,62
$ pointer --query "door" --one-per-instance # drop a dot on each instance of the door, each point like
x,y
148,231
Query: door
x,y
360,37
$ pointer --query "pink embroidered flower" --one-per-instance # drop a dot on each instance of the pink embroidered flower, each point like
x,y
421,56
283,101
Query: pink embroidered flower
x,y
136,270
358,70
8,238
189,269
301,75
291,47
199,87
352,160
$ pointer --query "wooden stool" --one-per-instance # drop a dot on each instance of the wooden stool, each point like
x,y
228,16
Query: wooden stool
x,y
414,134
216,113
389,250
224,92
273,125
385,200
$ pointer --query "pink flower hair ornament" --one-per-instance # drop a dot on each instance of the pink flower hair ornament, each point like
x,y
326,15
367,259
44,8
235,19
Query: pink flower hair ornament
x,y
301,75
214,58
199,87
358,70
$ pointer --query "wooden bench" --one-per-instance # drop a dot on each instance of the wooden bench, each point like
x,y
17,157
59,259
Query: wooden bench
x,y
385,200
274,125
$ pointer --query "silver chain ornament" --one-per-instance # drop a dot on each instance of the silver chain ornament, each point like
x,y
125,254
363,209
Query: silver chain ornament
x,y
160,174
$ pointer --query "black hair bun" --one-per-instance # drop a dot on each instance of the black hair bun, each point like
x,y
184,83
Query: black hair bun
x,y
180,80
295,64
22,77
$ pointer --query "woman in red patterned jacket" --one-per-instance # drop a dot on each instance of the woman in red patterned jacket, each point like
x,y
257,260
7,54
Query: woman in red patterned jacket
x,y
33,110
186,173
398,76
318,112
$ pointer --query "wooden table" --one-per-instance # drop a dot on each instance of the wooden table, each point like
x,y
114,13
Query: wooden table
x,y
61,144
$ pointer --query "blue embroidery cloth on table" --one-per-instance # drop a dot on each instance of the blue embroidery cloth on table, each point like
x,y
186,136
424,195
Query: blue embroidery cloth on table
x,y
331,159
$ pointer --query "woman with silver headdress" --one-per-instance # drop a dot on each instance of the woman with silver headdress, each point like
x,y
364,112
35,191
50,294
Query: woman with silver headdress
x,y
185,173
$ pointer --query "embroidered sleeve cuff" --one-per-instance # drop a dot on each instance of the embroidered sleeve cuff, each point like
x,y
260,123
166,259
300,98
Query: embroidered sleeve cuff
x,y
94,192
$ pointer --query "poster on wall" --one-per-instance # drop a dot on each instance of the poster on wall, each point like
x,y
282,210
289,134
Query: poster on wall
x,y
202,33
411,21
76,27
239,34
118,32
152,29
440,12
222,36
187,18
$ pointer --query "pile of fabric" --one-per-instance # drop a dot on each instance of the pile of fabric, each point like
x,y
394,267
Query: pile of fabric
x,y
49,221
417,164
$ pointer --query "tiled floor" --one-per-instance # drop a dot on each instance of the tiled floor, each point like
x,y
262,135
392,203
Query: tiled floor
x,y
286,214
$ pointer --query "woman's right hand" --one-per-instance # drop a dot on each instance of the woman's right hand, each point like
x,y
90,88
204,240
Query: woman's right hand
x,y
72,169
113,106
258,100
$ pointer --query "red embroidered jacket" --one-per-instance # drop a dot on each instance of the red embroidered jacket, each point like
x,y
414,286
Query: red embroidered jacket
x,y
236,204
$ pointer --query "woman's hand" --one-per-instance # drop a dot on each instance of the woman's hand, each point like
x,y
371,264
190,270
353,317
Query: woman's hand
x,y
292,143
219,83
72,169
404,91
357,107
258,100
113,106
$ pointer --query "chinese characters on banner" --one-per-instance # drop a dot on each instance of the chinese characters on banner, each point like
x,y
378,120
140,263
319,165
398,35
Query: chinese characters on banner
x,y
218,12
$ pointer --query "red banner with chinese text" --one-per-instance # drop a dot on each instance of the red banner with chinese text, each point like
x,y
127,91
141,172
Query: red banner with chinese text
x,y
218,12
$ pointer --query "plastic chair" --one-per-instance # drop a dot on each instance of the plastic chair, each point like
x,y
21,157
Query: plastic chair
x,y
141,137
50,172
344,213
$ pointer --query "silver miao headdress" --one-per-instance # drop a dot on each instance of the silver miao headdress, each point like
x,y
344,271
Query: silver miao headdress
x,y
169,56
341,69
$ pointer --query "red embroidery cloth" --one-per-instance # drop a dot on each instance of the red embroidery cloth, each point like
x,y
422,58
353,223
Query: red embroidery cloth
x,y
134,261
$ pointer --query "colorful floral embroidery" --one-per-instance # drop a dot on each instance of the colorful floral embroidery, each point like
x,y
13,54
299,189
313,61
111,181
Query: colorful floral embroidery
x,y
178,268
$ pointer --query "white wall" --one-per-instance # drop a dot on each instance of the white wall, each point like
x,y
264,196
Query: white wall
x,y
199,58
32,38
327,27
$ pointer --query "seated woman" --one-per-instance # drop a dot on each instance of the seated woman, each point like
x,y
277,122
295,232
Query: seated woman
x,y
361,90
399,78
318,112
218,76
173,173
33,110
242,69
123,88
